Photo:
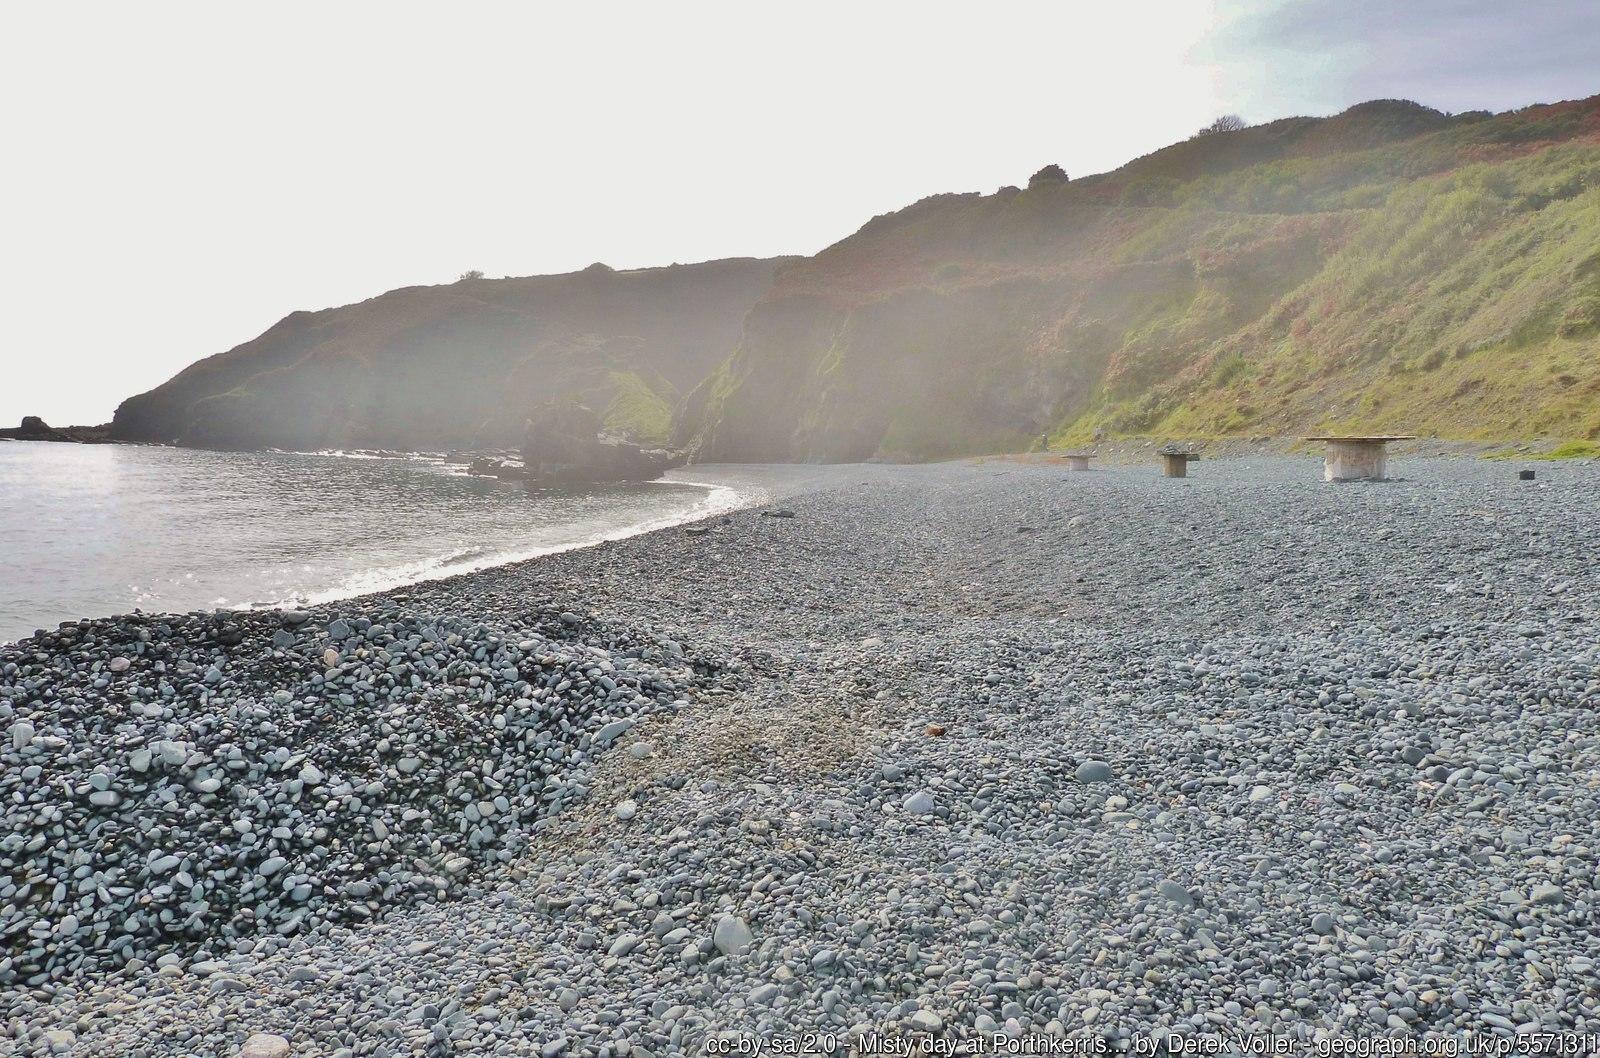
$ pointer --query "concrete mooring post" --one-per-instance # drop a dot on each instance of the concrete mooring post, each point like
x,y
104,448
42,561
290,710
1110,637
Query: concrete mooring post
x,y
1076,460
1357,458
1176,464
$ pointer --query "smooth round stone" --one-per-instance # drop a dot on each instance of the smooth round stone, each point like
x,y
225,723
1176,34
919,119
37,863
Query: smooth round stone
x,y
731,935
264,1045
22,733
1093,771
1175,893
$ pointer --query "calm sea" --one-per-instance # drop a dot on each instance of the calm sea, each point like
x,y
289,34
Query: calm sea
x,y
92,530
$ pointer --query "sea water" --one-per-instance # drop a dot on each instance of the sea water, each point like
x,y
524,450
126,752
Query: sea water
x,y
92,530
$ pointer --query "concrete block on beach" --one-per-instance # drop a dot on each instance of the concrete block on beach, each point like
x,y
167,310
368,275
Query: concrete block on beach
x,y
1175,462
1357,458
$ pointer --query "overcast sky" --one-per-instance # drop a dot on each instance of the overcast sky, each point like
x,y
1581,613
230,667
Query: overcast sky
x,y
178,176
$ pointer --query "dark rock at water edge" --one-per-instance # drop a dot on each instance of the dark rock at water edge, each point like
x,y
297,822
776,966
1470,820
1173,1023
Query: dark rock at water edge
x,y
564,445
497,466
33,428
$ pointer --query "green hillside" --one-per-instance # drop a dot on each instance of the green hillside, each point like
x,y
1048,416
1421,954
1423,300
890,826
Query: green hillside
x,y
1389,268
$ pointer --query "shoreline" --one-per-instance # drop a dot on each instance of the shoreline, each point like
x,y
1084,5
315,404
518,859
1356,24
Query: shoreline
x,y
980,732
719,500
719,497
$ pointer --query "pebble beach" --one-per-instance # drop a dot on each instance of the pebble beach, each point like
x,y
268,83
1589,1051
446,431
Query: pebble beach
x,y
981,751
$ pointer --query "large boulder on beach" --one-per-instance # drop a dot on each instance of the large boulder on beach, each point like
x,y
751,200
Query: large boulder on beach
x,y
563,444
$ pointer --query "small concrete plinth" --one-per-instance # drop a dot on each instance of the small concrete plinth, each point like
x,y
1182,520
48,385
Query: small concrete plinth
x,y
1076,460
1357,458
1176,464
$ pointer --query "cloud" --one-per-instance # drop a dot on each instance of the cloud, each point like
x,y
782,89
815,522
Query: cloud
x,y
1281,56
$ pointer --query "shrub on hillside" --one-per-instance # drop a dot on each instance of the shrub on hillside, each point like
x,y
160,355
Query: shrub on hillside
x,y
1225,123
1048,176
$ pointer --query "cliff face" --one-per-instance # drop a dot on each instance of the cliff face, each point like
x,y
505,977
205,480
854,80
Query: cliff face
x,y
464,364
1389,267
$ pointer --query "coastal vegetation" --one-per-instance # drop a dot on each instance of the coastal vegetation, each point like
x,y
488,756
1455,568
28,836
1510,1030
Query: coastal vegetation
x,y
1570,450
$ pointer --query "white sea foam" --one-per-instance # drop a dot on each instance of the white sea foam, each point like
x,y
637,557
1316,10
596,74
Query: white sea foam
x,y
719,500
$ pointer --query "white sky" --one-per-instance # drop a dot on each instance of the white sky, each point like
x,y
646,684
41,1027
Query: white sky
x,y
179,176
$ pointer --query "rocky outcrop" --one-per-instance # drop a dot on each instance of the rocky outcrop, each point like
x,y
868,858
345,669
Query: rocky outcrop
x,y
34,428
563,444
